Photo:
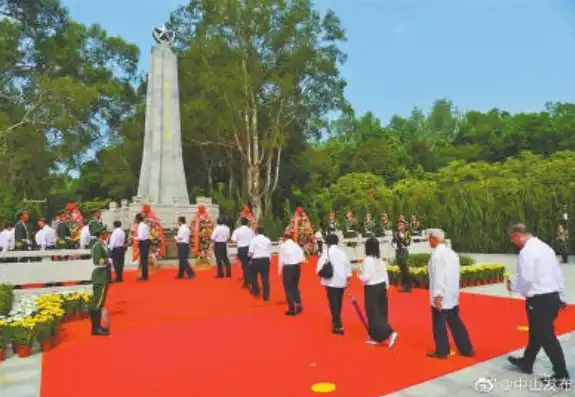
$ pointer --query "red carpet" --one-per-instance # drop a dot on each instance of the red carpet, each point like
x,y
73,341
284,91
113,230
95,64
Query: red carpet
x,y
207,338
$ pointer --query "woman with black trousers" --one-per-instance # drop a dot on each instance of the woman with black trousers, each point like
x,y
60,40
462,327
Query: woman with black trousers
x,y
335,286
373,275
402,240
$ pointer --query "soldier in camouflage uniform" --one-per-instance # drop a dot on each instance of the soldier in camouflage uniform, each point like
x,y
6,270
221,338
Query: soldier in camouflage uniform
x,y
21,236
94,226
563,243
100,280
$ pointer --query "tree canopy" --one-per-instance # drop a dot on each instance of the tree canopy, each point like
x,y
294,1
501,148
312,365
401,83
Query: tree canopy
x,y
260,81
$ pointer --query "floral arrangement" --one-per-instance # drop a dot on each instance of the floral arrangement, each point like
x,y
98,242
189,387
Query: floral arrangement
x,y
301,229
37,318
472,275
202,227
247,214
76,220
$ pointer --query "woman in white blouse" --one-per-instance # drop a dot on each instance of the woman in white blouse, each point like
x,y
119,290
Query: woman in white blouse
x,y
335,285
373,274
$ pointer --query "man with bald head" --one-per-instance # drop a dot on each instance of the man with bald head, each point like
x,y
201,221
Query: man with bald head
x,y
540,281
444,293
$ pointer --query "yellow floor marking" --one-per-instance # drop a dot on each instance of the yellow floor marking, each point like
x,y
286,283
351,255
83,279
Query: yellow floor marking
x,y
323,387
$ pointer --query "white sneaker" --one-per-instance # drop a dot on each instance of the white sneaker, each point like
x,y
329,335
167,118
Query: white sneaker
x,y
370,341
392,339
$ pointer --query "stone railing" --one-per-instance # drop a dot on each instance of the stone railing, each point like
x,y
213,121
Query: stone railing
x,y
37,267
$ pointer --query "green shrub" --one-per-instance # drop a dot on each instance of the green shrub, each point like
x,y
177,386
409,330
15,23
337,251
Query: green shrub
x,y
6,299
421,260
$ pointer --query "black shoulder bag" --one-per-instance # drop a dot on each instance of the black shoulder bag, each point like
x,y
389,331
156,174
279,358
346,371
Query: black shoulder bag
x,y
326,272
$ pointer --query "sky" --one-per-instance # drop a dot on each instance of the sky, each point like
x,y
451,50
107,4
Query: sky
x,y
511,54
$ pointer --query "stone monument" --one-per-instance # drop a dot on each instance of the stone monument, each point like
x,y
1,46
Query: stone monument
x,y
162,182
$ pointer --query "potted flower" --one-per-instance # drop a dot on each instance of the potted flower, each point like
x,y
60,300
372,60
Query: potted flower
x,y
22,334
2,340
44,331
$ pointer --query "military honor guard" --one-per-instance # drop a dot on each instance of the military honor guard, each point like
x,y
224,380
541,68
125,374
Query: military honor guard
x,y
563,243
243,236
100,280
21,236
401,241
540,281
444,272
291,256
94,225
117,245
220,237
64,232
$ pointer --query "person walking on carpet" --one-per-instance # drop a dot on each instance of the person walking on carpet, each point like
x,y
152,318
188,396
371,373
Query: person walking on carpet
x,y
243,236
220,237
291,256
260,252
540,281
335,257
373,274
117,245
444,272
183,246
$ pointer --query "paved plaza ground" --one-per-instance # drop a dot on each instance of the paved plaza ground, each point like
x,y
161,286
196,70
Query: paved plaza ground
x,y
21,377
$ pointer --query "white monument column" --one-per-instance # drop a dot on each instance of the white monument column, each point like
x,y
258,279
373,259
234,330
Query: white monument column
x,y
162,177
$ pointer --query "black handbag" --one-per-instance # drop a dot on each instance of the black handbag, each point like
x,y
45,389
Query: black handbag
x,y
326,272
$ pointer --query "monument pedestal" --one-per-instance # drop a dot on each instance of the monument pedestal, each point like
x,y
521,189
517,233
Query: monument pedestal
x,y
167,214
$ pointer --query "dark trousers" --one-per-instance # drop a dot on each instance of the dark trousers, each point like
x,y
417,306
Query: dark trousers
x,y
449,318
144,251
290,276
376,308
319,247
118,260
222,260
183,263
542,310
401,257
245,261
335,300
260,267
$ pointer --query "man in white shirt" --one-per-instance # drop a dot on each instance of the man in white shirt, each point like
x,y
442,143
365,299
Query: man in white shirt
x,y
260,252
444,274
243,236
319,242
45,237
220,237
335,286
540,281
7,238
143,237
291,256
183,245
117,245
